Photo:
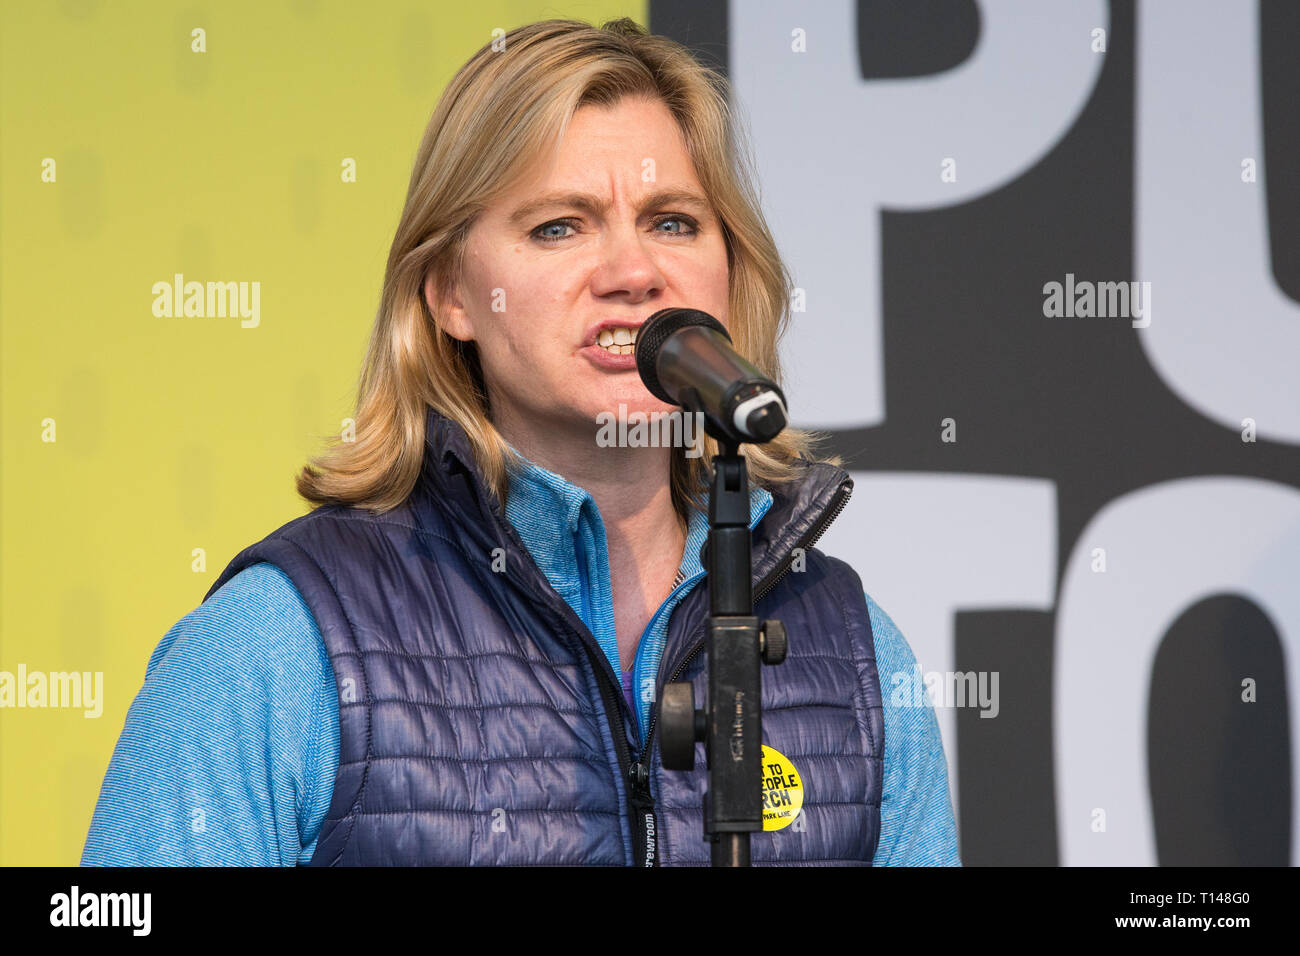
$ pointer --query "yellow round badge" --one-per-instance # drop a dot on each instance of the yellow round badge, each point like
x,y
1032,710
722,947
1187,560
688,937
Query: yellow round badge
x,y
782,790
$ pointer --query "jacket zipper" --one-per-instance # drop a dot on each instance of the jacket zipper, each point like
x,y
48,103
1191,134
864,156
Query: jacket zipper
x,y
640,802
639,774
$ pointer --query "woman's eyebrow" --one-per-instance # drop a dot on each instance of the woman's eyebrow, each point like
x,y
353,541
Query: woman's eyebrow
x,y
598,206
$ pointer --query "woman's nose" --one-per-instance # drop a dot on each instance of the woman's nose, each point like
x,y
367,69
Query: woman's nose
x,y
627,264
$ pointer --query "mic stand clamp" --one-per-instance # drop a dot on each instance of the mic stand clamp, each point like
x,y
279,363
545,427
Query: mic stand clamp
x,y
731,725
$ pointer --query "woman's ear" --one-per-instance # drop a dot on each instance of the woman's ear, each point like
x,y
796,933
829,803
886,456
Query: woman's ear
x,y
446,307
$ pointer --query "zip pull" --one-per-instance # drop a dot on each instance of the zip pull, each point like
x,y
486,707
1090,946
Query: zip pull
x,y
643,811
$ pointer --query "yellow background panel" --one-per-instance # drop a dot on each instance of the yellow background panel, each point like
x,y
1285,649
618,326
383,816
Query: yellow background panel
x,y
181,433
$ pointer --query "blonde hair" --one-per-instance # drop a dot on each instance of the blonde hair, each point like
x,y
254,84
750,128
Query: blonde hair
x,y
500,111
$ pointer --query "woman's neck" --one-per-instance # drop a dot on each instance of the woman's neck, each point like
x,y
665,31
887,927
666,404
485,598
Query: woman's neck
x,y
643,531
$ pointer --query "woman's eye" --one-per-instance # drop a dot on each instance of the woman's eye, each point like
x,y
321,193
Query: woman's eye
x,y
686,227
558,224
686,221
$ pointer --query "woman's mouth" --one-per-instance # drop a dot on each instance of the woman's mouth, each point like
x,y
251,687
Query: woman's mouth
x,y
614,349
617,341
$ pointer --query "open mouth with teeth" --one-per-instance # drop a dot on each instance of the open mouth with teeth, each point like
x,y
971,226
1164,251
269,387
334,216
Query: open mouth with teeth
x,y
617,341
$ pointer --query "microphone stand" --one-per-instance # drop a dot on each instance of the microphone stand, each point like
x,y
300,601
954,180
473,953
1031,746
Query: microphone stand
x,y
731,727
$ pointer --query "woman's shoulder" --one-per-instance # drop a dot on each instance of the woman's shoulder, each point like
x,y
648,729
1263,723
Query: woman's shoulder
x,y
895,658
235,727
248,663
257,617
884,630
260,593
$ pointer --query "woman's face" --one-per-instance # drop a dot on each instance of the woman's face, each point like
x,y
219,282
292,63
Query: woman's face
x,y
617,229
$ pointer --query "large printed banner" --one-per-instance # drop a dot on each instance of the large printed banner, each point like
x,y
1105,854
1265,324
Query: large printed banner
x,y
1047,259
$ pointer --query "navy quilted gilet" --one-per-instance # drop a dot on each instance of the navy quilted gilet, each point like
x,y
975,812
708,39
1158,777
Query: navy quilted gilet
x,y
480,723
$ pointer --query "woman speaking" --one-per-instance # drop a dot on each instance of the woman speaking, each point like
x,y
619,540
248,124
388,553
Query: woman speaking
x,y
455,658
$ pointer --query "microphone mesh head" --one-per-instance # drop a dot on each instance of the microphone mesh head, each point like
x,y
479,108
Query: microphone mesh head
x,y
652,335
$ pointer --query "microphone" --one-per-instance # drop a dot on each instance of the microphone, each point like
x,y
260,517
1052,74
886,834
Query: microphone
x,y
684,357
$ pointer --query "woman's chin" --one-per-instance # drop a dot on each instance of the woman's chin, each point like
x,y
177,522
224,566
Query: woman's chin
x,y
644,405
